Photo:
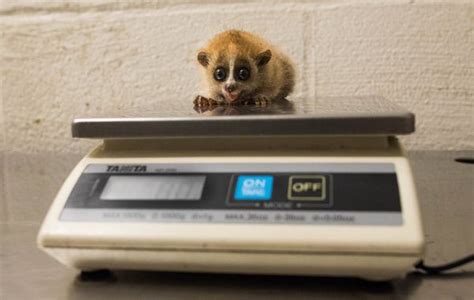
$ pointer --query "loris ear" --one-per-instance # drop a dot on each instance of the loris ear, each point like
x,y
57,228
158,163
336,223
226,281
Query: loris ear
x,y
203,58
263,58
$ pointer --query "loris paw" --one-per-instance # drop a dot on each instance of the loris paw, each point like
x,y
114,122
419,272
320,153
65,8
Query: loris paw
x,y
261,100
201,101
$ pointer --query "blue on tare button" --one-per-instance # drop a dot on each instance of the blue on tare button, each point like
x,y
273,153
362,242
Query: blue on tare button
x,y
256,187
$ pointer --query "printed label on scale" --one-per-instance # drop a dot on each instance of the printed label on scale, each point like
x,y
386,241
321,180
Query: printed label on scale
x,y
232,216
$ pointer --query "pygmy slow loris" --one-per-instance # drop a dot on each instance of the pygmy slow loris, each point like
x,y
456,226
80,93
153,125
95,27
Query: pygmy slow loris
x,y
239,67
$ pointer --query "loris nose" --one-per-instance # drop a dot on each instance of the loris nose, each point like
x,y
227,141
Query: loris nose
x,y
230,87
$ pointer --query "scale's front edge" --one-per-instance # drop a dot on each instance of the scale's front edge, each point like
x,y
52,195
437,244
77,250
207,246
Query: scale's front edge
x,y
124,128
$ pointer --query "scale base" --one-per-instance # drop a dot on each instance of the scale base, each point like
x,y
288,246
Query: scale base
x,y
371,251
96,263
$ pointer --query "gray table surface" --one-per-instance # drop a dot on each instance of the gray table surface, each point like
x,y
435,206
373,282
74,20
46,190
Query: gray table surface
x,y
446,192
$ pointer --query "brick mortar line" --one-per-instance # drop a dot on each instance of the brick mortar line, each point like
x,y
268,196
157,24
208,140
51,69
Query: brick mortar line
x,y
77,7
3,139
110,7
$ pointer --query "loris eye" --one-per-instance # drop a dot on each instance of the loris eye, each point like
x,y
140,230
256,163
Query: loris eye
x,y
243,74
220,74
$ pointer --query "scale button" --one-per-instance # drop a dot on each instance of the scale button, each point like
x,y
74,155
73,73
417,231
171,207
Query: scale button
x,y
307,188
254,187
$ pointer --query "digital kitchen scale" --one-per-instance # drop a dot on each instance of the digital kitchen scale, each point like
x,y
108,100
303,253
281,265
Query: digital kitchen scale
x,y
320,188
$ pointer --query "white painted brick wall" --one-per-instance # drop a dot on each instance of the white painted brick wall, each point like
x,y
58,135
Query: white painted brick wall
x,y
67,59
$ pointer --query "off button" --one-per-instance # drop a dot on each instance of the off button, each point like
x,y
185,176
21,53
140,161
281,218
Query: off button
x,y
307,188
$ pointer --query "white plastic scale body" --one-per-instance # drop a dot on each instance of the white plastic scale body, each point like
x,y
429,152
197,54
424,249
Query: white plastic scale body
x,y
319,191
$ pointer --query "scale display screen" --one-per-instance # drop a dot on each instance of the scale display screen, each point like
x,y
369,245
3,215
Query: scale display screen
x,y
153,188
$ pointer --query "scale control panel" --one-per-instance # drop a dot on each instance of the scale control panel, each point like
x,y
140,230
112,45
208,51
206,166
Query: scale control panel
x,y
266,193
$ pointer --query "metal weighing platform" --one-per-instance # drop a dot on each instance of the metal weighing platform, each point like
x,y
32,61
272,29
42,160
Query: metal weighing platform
x,y
316,189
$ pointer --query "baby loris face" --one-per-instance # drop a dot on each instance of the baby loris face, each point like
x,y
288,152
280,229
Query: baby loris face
x,y
233,78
